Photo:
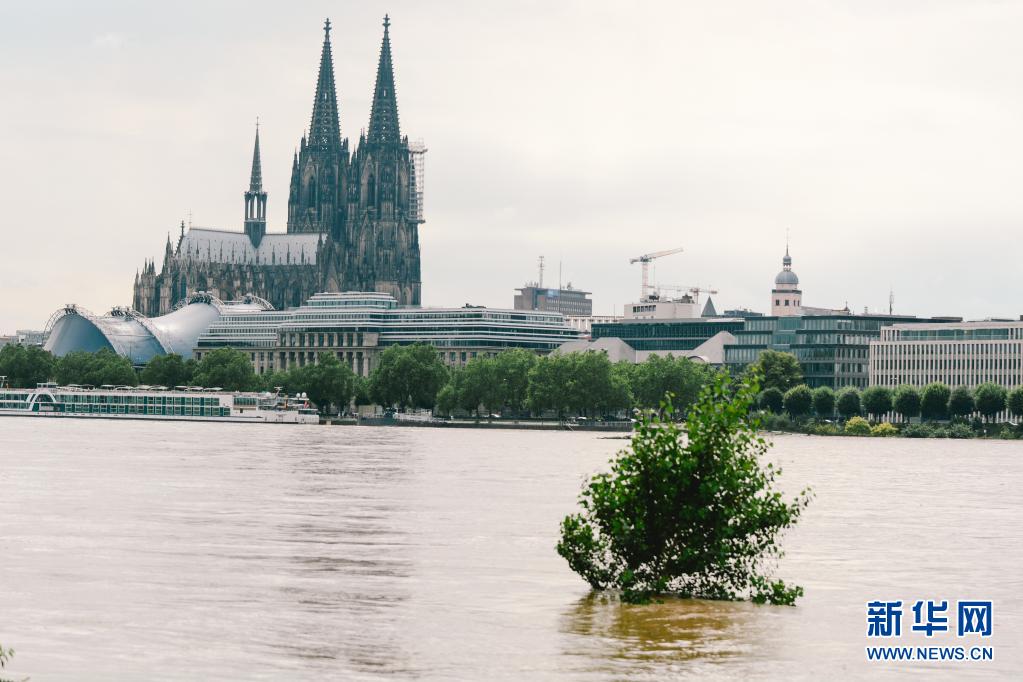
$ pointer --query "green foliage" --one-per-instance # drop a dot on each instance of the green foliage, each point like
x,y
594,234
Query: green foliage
x,y
960,431
697,517
658,375
824,402
583,383
226,368
907,402
934,401
511,373
960,402
771,400
1015,401
884,430
362,392
857,426
777,422
408,376
990,399
26,366
877,401
848,402
798,401
826,430
778,370
271,381
478,386
446,399
918,431
328,382
167,370
95,369
550,382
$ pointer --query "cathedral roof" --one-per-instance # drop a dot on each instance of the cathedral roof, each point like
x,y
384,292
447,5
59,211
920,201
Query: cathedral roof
x,y
224,246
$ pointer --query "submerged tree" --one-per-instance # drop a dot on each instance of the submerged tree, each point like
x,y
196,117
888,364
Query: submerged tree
x,y
695,517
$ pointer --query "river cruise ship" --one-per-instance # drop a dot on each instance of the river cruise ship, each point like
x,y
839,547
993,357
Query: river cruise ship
x,y
155,402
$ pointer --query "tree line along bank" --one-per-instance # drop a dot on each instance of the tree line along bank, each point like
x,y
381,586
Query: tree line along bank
x,y
562,385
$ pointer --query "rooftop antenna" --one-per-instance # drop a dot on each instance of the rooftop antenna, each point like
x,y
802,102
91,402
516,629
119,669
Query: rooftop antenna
x,y
540,282
891,300
559,275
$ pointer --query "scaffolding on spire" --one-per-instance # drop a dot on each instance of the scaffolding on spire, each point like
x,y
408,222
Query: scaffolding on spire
x,y
417,180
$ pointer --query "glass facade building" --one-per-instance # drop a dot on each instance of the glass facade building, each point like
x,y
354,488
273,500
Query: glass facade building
x,y
833,350
666,335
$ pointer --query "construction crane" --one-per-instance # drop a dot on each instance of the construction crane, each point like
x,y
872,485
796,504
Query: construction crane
x,y
644,260
695,291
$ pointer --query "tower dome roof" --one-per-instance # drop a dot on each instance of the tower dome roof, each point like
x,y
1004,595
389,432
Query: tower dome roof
x,y
786,277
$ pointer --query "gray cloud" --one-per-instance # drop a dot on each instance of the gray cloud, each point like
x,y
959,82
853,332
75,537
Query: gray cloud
x,y
885,135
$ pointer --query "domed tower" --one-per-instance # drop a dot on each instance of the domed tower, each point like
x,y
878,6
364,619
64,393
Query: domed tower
x,y
786,297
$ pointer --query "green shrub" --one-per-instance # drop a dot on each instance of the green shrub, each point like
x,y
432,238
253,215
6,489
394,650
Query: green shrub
x,y
771,400
934,401
960,431
695,516
877,401
857,426
848,402
906,401
826,430
824,402
798,401
884,430
918,431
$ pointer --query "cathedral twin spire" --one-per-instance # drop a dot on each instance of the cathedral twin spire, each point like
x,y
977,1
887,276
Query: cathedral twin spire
x,y
324,129
383,119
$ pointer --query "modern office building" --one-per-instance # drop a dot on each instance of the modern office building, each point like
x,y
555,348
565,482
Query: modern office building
x,y
567,301
584,323
957,354
656,308
666,335
833,349
358,326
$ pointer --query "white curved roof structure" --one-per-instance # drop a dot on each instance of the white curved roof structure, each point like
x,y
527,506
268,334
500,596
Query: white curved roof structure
x,y
136,337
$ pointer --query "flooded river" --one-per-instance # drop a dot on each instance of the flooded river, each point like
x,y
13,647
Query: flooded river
x,y
228,552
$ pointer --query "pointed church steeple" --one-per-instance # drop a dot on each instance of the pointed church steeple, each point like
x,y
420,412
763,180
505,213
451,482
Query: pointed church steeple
x,y
256,178
325,130
255,198
383,120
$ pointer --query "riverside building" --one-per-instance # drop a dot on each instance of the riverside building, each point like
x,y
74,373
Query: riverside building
x,y
957,354
358,326
833,349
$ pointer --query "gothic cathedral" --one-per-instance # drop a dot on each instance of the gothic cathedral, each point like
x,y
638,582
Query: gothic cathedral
x,y
353,219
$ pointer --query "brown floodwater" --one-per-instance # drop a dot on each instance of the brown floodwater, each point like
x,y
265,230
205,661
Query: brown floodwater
x,y
134,550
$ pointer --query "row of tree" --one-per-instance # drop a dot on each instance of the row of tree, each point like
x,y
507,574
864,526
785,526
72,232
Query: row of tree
x,y
411,376
518,380
935,401
586,384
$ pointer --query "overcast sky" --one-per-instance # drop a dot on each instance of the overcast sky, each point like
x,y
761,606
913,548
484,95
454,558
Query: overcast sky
x,y
886,136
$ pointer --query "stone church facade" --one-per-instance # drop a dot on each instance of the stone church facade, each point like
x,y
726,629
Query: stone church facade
x,y
353,218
